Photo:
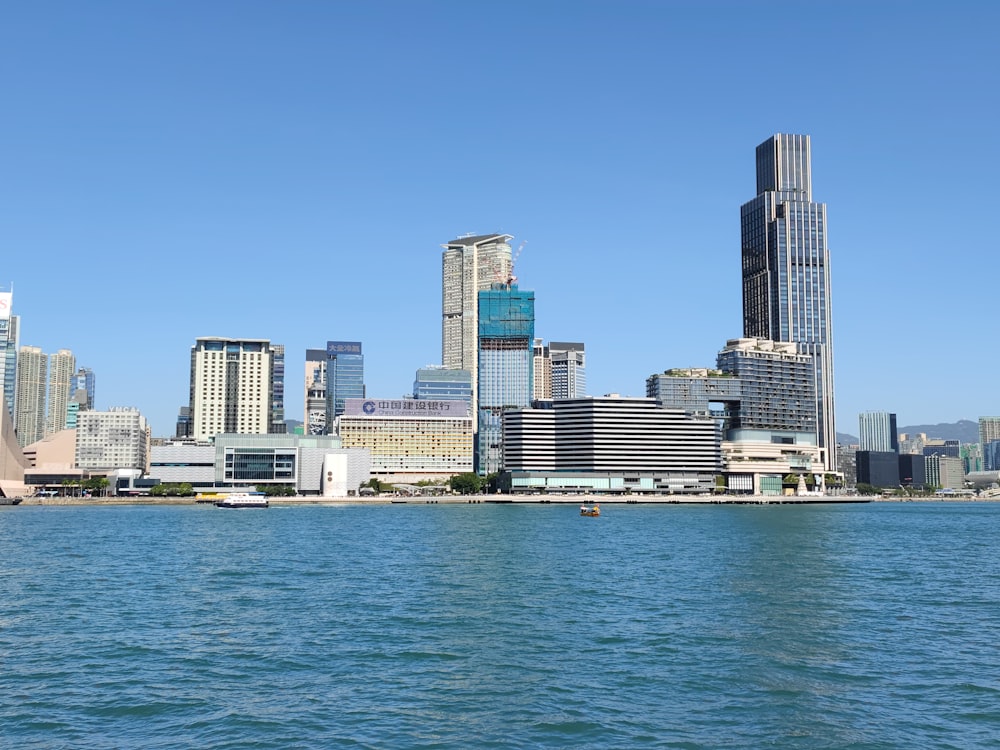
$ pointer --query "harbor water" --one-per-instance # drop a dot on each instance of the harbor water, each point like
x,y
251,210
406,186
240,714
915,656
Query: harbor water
x,y
501,626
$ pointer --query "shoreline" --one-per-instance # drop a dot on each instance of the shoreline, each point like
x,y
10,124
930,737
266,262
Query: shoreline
x,y
517,500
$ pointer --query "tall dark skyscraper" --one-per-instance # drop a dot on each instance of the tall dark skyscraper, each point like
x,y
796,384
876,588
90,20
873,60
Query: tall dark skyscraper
x,y
786,268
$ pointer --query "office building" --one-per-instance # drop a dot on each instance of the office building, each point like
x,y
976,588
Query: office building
x,y
879,469
410,440
345,376
435,383
786,272
231,387
32,379
989,434
278,426
944,472
878,431
314,397
62,366
991,456
912,471
541,369
9,346
569,369
85,380
469,265
110,440
609,444
938,447
506,323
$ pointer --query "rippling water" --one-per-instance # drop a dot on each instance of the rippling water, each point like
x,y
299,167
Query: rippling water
x,y
458,626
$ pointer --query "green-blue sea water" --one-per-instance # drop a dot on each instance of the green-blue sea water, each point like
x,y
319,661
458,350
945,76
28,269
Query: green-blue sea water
x,y
501,626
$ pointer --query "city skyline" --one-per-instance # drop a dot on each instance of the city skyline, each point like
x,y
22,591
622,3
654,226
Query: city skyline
x,y
278,145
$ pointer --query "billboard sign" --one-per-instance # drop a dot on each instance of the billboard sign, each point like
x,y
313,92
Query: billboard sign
x,y
404,407
343,347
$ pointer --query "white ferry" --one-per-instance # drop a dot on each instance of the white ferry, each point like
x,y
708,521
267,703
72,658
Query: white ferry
x,y
242,500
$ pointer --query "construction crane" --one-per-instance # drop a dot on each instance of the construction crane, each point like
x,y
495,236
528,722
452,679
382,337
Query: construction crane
x,y
513,260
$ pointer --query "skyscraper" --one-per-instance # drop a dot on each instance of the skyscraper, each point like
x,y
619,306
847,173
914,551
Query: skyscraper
x,y
786,271
32,372
878,431
541,375
506,324
989,439
62,366
435,383
9,345
315,393
231,388
85,380
278,426
569,369
468,266
345,377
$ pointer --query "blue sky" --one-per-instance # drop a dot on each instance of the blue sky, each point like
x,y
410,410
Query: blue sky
x,y
289,170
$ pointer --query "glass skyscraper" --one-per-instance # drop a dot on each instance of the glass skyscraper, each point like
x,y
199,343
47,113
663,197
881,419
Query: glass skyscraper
x,y
786,270
442,384
345,376
85,380
506,332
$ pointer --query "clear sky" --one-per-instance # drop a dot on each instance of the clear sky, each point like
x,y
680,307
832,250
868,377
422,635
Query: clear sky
x,y
289,170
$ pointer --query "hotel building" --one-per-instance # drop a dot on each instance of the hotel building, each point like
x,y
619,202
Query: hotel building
x,y
786,268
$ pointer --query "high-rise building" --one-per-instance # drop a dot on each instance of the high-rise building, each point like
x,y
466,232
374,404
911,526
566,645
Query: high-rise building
x,y
278,426
786,271
776,386
569,369
62,366
433,383
32,376
314,420
345,377
469,265
878,431
84,380
114,439
9,345
506,325
231,388
989,432
541,367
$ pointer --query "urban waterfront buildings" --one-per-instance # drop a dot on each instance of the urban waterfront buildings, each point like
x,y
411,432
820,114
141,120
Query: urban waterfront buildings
x,y
878,431
314,419
786,272
231,387
506,325
9,346
989,439
85,380
469,265
609,444
32,379
111,440
541,370
62,367
568,363
410,440
345,376
435,383
278,426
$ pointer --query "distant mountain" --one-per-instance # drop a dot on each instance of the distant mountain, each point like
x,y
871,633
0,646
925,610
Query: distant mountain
x,y
964,430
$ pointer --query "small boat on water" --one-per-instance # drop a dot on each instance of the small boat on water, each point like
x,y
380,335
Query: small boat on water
x,y
10,501
590,509
242,500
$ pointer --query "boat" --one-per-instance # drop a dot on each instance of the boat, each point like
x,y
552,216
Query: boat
x,y
10,501
590,509
242,500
